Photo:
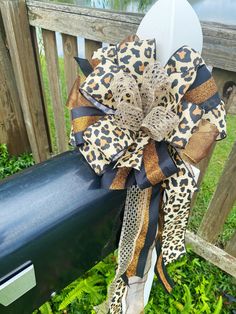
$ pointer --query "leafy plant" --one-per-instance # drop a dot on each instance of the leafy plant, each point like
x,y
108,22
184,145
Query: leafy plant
x,y
12,164
198,289
46,308
218,306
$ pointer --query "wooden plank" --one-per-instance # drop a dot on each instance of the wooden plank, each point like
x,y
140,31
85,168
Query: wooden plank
x,y
112,15
70,49
43,96
231,245
49,40
111,27
222,201
22,55
90,47
211,253
12,126
90,27
219,45
232,108
226,84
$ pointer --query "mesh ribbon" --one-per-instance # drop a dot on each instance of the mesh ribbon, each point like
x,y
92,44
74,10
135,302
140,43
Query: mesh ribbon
x,y
132,222
143,108
156,85
129,111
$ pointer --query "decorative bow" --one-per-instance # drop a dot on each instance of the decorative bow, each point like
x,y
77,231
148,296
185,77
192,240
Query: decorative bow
x,y
131,107
127,112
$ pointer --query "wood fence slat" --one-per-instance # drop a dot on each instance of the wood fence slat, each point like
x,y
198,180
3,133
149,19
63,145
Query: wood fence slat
x,y
216,51
112,15
90,27
211,253
90,47
230,247
232,109
49,40
37,55
12,126
222,201
70,49
111,27
19,39
226,83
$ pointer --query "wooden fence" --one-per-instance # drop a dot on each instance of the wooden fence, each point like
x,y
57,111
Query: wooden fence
x,y
20,21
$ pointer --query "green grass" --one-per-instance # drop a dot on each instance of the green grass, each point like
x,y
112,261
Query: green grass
x,y
200,286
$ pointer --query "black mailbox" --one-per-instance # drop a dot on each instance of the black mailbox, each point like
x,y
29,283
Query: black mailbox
x,y
55,223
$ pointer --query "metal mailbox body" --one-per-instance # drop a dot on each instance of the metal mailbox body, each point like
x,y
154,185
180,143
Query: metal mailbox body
x,y
55,215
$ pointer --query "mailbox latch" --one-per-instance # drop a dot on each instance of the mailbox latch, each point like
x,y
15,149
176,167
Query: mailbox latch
x,y
17,283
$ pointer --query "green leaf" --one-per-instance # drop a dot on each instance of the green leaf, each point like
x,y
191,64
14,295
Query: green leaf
x,y
179,306
188,300
77,292
46,308
219,306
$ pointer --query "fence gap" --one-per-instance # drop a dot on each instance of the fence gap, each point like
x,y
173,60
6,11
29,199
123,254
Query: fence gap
x,y
90,47
230,248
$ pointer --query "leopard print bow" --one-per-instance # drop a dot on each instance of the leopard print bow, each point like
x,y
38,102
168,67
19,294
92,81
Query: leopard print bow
x,y
110,125
128,101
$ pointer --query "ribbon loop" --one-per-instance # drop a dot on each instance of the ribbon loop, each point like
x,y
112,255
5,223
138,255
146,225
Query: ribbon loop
x,y
155,85
129,113
160,122
143,108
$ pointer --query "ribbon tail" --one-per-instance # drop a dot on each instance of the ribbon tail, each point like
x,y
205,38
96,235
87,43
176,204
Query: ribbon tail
x,y
152,222
161,271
